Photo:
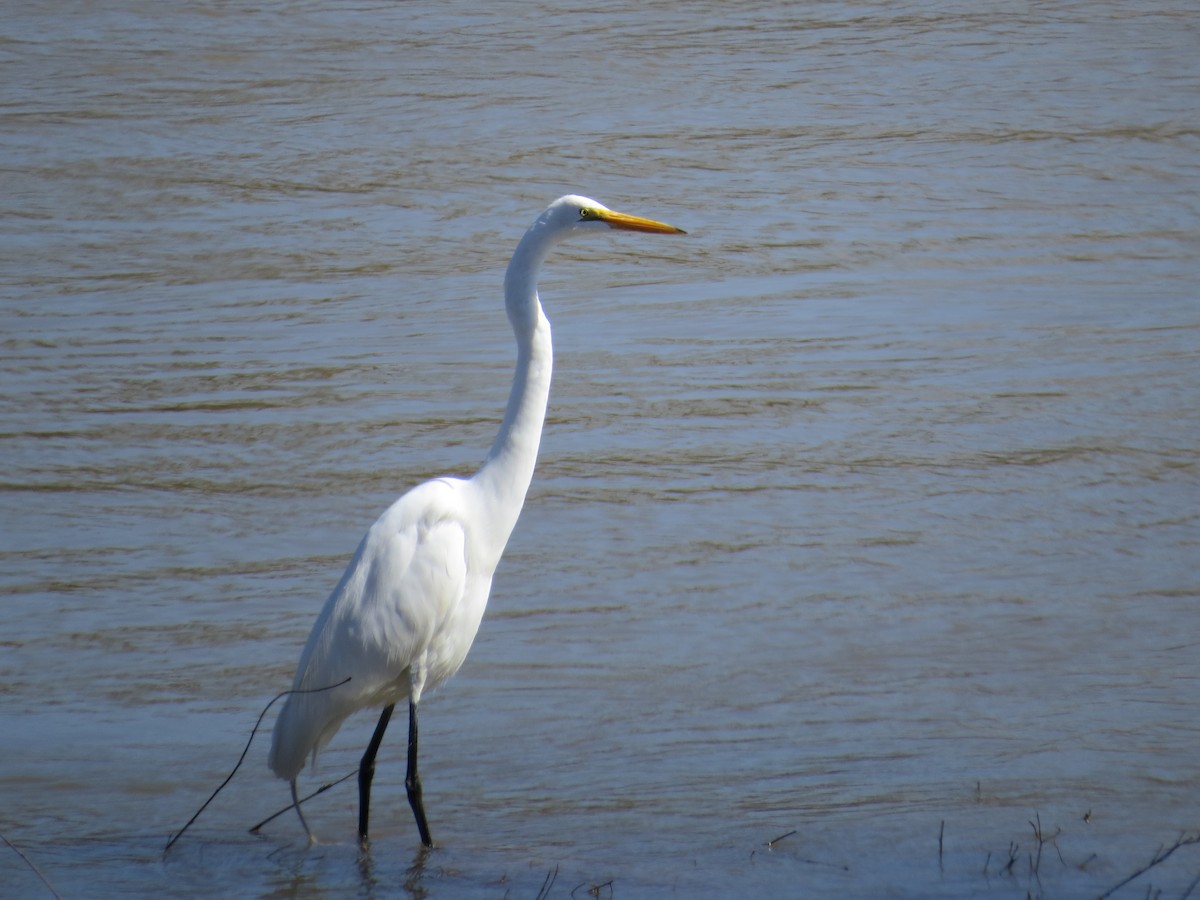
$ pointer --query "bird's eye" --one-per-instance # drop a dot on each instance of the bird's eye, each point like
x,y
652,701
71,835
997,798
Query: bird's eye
x,y
585,214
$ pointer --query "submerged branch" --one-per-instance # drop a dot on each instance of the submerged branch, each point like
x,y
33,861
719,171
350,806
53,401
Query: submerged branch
x,y
1184,840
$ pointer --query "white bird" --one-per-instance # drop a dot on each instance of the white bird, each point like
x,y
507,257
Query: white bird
x,y
404,615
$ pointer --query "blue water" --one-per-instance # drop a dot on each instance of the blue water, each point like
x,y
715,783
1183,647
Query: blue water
x,y
865,514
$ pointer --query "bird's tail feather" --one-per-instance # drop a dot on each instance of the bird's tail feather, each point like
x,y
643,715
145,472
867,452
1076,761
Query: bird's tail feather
x,y
307,722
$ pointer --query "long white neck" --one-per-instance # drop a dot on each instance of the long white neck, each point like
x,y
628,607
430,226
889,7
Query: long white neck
x,y
506,473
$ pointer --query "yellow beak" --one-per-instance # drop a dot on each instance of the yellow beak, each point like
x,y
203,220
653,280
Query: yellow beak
x,y
626,222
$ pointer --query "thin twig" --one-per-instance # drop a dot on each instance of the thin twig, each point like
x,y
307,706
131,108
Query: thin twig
x,y
1037,836
241,759
1191,887
594,889
1159,856
1014,851
29,862
772,843
322,789
551,877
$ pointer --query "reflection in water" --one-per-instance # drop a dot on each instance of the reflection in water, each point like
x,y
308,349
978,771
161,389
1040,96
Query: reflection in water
x,y
412,885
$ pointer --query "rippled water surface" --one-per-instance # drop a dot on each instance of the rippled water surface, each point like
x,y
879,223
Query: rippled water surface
x,y
866,516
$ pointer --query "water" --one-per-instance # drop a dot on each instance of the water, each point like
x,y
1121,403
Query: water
x,y
866,512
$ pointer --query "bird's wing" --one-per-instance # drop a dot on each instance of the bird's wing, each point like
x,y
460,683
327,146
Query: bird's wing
x,y
395,597
415,582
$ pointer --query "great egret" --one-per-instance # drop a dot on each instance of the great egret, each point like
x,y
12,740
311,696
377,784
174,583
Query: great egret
x,y
406,610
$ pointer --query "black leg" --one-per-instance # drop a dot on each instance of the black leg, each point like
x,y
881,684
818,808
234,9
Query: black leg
x,y
366,772
412,781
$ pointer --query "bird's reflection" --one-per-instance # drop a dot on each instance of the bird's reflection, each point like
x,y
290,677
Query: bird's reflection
x,y
414,875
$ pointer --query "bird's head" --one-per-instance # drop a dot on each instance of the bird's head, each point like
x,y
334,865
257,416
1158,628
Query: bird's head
x,y
575,213
562,218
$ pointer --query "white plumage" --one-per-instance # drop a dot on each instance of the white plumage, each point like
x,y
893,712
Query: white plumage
x,y
405,612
